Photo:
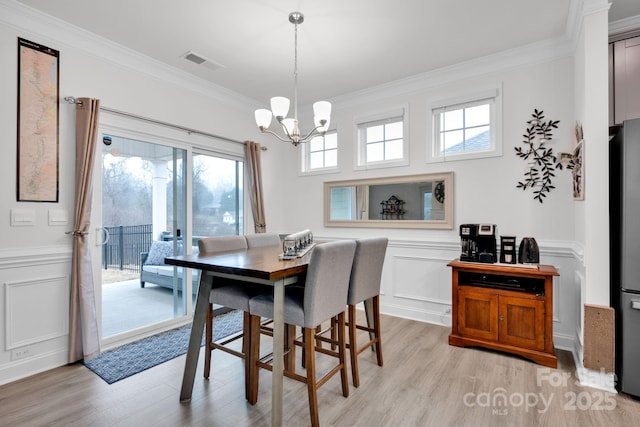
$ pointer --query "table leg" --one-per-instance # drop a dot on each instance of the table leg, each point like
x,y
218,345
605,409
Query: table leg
x,y
368,311
199,317
278,353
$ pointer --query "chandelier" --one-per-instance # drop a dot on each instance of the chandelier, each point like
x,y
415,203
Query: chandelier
x,y
280,105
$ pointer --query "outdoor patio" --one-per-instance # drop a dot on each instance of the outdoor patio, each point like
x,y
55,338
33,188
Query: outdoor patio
x,y
126,306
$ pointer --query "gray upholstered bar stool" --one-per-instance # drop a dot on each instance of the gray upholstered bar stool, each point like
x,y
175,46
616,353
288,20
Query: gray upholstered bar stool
x,y
228,293
263,239
365,285
324,296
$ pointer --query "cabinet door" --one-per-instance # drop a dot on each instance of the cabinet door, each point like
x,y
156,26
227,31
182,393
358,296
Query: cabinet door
x,y
627,79
477,314
521,322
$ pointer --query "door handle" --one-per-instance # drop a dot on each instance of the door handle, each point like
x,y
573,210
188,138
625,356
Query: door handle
x,y
106,236
635,305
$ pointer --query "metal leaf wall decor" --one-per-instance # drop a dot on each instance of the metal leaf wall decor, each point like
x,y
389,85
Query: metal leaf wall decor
x,y
542,162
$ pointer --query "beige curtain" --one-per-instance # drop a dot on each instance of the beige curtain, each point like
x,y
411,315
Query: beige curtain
x,y
252,154
84,342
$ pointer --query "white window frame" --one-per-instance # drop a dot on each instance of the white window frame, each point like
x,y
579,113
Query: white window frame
x,y
386,116
305,161
493,96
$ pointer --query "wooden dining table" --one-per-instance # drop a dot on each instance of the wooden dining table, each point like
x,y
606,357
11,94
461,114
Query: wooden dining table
x,y
255,265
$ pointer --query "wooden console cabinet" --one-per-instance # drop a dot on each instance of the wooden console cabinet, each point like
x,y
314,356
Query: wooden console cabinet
x,y
503,307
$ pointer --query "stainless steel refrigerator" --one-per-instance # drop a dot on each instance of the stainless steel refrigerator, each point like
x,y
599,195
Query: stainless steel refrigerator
x,y
624,196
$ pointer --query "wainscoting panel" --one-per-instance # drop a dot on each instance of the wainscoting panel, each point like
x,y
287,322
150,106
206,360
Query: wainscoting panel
x,y
36,310
416,284
34,294
421,278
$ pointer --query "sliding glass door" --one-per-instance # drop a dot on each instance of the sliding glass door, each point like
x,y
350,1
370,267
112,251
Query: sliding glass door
x,y
140,221
157,191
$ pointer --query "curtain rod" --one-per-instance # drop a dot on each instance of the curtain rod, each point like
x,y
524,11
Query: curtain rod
x,y
73,100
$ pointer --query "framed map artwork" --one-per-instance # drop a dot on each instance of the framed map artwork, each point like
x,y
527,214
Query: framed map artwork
x,y
38,162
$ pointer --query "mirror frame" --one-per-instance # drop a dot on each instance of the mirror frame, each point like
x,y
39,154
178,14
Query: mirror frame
x,y
446,223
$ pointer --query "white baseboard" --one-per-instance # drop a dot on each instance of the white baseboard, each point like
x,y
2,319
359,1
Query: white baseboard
x,y
441,318
19,369
564,342
595,379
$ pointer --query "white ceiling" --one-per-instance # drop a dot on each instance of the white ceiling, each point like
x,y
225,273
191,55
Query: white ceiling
x,y
343,45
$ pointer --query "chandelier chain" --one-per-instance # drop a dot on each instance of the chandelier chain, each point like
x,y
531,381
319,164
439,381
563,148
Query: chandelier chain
x,y
295,73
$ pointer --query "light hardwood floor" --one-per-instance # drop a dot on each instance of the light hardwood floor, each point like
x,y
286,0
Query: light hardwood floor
x,y
424,382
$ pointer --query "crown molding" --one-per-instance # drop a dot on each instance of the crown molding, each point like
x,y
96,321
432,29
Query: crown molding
x,y
26,19
593,6
629,25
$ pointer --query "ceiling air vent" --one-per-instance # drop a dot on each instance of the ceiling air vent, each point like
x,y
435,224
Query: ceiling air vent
x,y
201,60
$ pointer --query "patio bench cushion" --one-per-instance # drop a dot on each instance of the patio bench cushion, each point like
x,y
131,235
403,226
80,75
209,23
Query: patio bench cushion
x,y
154,270
158,252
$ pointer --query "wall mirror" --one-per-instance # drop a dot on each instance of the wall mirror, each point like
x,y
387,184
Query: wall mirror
x,y
415,201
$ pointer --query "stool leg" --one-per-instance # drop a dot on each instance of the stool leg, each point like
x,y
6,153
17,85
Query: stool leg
x,y
208,338
251,362
318,330
353,346
290,348
334,325
310,366
376,328
245,337
246,350
342,355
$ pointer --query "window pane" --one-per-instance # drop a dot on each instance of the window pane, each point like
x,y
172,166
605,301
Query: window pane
x,y
216,196
374,152
477,138
331,141
453,120
341,202
315,160
453,141
375,133
426,205
393,131
393,150
331,158
477,116
316,144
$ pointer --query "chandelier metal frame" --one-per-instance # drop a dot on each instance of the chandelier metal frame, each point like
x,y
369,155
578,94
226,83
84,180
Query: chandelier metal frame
x,y
280,105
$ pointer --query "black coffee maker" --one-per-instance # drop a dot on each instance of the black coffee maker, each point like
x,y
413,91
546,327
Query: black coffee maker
x,y
478,243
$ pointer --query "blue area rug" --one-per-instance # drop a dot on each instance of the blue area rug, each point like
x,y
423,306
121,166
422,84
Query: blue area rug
x,y
130,359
